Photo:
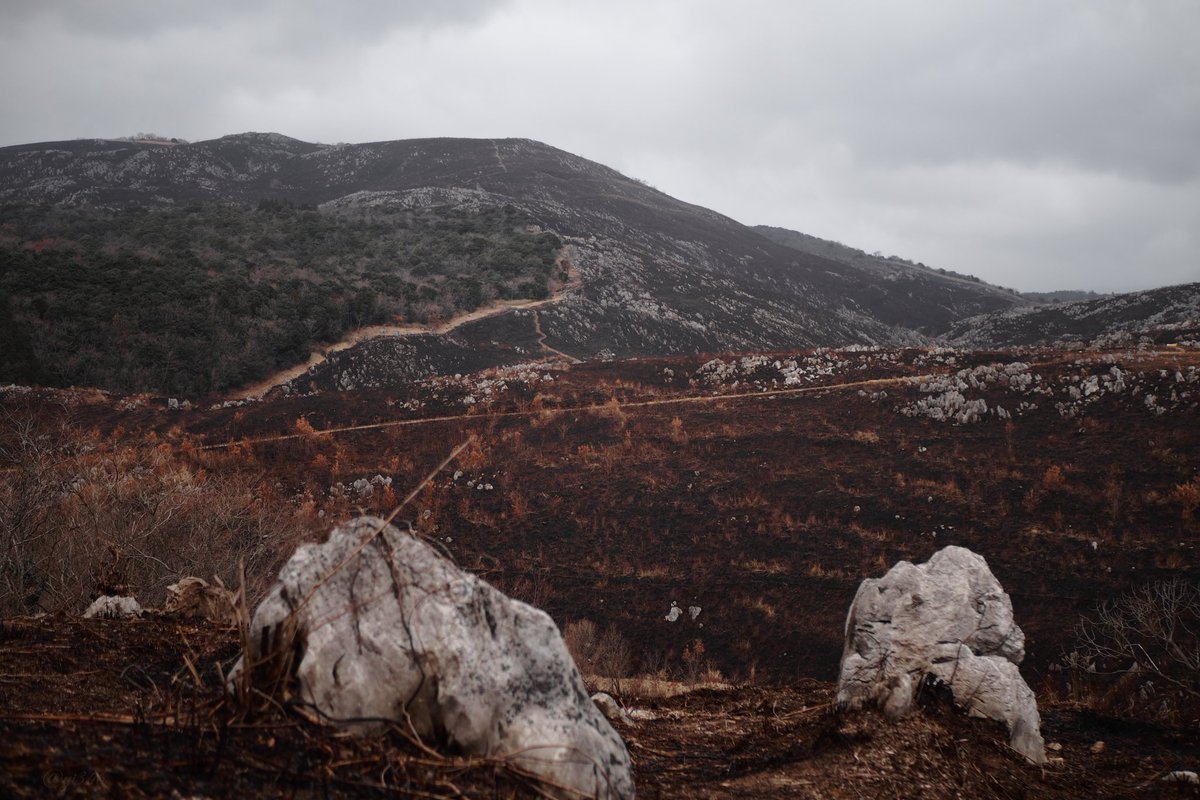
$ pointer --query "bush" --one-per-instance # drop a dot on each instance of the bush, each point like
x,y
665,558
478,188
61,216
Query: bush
x,y
1148,640
606,654
82,516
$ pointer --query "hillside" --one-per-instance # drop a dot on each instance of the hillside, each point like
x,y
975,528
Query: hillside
x,y
1165,315
904,290
206,297
656,276
758,489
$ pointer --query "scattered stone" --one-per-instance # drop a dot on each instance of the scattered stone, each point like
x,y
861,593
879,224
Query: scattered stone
x,y
1097,748
610,708
196,598
1182,776
1055,746
388,629
949,619
113,607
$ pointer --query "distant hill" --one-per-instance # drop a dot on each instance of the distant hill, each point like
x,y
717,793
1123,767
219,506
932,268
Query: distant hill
x,y
1061,296
321,230
904,290
1165,315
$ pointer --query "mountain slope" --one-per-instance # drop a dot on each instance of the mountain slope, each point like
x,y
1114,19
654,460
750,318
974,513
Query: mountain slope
x,y
1166,314
656,275
901,291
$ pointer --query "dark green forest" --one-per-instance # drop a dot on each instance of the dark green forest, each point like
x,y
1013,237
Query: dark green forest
x,y
203,298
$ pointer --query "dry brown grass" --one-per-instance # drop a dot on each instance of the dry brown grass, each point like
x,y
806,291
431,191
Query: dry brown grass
x,y
83,515
1188,497
865,437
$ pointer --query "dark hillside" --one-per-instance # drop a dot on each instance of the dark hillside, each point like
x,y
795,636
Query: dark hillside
x,y
206,297
898,290
1164,315
657,275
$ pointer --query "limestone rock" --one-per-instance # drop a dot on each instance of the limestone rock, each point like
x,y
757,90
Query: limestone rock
x,y
1182,776
196,598
387,629
113,607
949,619
610,708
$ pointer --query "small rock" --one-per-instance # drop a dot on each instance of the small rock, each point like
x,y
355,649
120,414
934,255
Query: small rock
x,y
1055,746
1182,776
610,708
113,607
1098,747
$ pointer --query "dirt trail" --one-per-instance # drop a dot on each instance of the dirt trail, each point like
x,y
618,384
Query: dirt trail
x,y
359,335
666,401
541,340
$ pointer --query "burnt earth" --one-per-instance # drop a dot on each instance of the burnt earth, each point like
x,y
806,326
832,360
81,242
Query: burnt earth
x,y
134,709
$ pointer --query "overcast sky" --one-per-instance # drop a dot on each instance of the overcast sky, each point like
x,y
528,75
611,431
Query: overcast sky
x,y
1039,145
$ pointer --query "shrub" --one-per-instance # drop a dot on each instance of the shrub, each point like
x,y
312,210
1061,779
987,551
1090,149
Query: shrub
x,y
1149,641
82,516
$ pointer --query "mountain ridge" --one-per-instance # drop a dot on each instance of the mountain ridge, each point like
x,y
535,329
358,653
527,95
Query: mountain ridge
x,y
657,275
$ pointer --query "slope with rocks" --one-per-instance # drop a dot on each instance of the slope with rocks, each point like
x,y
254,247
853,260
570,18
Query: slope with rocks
x,y
899,290
1166,315
658,275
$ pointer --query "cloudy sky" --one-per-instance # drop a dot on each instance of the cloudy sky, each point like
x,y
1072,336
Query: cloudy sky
x,y
1038,144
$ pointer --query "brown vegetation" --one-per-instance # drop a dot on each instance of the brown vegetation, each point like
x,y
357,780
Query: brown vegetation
x,y
606,495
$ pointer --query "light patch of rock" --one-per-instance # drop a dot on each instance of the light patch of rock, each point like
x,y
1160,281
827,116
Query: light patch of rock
x,y
388,629
196,598
950,619
113,607
610,708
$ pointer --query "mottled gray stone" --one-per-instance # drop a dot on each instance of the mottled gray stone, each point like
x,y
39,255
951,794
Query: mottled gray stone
x,y
388,629
947,618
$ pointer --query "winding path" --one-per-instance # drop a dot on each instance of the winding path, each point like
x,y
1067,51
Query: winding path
x,y
258,389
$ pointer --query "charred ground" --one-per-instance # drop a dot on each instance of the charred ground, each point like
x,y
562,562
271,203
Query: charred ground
x,y
759,489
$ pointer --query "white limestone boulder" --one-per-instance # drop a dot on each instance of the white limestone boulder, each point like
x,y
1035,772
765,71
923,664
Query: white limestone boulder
x,y
111,606
947,618
385,628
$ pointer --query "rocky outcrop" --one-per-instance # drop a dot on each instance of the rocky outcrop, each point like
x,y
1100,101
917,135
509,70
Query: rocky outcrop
x,y
385,628
949,619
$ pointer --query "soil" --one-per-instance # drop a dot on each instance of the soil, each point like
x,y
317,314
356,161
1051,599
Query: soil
x,y
608,492
134,708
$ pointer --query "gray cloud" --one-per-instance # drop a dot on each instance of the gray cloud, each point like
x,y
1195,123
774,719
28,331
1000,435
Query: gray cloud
x,y
1038,144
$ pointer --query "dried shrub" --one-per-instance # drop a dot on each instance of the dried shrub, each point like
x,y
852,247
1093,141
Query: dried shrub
x,y
1053,478
81,515
865,437
1188,496
1143,647
606,654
